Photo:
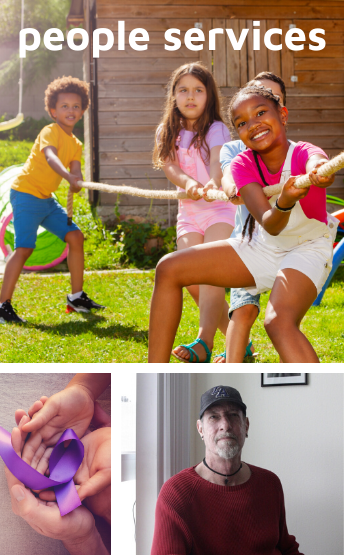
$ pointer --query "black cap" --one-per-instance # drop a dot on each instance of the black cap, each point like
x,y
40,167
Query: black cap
x,y
218,394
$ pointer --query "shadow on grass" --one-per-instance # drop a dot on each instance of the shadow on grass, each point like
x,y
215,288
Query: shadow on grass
x,y
113,331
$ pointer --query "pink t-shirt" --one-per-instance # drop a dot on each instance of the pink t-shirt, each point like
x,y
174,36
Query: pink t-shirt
x,y
245,171
217,135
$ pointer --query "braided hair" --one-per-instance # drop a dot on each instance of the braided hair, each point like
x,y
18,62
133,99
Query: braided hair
x,y
251,90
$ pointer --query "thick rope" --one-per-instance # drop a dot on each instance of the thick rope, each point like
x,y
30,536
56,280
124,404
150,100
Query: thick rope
x,y
302,181
69,207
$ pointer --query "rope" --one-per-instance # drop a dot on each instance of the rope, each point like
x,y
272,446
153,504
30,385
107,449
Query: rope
x,y
302,181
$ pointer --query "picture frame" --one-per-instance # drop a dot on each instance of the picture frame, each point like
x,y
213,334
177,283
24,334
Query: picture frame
x,y
268,380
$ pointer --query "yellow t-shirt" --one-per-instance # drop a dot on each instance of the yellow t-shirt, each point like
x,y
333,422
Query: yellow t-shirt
x,y
37,177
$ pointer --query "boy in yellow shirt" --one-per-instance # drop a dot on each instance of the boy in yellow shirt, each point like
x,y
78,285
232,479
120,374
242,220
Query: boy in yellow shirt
x,y
55,149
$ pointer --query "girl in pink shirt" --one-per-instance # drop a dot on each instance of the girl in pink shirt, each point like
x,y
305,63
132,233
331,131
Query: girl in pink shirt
x,y
291,252
188,145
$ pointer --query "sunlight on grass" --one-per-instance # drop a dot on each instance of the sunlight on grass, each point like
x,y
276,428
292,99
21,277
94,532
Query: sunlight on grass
x,y
120,332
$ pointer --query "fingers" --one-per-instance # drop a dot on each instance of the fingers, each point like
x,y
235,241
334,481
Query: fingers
x,y
46,413
23,501
18,436
16,440
18,415
319,180
96,484
40,460
47,495
35,408
31,447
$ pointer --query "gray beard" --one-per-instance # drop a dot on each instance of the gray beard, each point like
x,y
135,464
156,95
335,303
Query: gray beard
x,y
228,451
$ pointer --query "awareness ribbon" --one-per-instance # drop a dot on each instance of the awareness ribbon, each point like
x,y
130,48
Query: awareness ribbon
x,y
63,464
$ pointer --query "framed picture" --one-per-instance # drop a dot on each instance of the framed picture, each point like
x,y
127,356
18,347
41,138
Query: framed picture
x,y
283,379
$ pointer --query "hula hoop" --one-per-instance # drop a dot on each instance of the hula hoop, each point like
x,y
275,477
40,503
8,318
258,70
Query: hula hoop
x,y
339,215
4,223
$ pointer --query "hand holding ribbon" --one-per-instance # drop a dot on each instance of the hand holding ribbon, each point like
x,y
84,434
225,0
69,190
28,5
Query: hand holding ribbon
x,y
93,478
63,465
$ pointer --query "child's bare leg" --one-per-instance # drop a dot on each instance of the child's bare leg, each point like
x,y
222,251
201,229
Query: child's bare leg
x,y
75,259
213,307
238,332
12,272
185,242
292,295
211,303
214,264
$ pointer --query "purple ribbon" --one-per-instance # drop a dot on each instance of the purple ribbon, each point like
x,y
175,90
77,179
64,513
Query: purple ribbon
x,y
63,464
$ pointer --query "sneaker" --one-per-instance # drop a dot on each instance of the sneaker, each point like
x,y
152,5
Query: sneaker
x,y
8,314
83,303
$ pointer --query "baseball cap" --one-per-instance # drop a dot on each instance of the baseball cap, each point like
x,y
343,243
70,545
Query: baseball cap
x,y
218,394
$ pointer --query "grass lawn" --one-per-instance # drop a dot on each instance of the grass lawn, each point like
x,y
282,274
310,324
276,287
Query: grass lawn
x,y
119,333
14,152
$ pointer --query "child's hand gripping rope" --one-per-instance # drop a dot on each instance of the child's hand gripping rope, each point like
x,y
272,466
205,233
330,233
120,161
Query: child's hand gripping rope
x,y
321,176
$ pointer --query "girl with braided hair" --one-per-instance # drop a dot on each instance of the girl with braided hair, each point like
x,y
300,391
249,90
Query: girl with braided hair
x,y
291,253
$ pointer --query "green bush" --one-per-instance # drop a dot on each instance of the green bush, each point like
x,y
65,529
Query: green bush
x,y
121,246
131,243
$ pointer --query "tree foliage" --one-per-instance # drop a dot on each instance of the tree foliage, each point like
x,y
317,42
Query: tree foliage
x,y
40,15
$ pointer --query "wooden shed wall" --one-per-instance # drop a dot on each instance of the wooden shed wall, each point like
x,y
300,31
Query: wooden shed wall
x,y
131,84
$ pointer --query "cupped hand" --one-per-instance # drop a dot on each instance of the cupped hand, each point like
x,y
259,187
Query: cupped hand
x,y
93,478
44,516
72,407
318,180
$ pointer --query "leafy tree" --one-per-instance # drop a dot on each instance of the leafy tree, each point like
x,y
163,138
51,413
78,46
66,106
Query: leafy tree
x,y
40,15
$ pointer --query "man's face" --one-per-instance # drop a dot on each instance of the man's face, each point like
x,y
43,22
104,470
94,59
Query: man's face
x,y
224,429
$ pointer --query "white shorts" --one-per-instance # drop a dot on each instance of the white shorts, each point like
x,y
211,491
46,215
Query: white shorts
x,y
312,258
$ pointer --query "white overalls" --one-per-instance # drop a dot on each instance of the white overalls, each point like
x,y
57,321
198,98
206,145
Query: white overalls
x,y
304,244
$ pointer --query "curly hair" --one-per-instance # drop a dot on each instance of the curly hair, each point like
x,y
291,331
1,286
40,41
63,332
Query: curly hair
x,y
252,90
66,85
173,120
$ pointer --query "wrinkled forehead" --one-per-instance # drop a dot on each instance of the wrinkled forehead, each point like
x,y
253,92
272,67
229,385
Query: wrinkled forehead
x,y
221,407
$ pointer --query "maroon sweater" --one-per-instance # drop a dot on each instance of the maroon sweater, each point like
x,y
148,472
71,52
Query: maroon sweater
x,y
196,517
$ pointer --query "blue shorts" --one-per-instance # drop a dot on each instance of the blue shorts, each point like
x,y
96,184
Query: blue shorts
x,y
30,212
241,297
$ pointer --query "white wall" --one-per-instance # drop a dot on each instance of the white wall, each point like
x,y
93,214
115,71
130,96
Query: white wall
x,y
296,432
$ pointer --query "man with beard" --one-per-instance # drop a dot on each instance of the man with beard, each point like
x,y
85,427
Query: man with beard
x,y
222,506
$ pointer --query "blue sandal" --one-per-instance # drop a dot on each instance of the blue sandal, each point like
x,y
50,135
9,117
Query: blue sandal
x,y
193,353
221,355
248,356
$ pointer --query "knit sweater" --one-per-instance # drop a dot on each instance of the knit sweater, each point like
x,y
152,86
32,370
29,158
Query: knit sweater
x,y
195,517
